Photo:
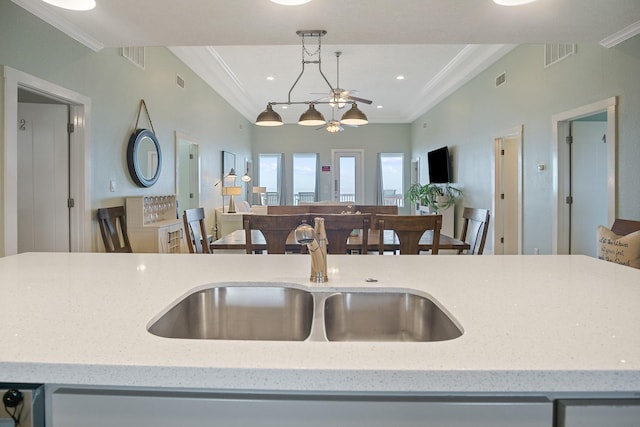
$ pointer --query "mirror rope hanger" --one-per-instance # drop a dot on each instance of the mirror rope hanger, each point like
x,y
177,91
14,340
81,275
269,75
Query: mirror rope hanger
x,y
311,117
144,104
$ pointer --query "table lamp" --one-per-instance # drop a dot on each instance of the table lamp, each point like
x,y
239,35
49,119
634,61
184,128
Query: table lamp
x,y
259,191
231,192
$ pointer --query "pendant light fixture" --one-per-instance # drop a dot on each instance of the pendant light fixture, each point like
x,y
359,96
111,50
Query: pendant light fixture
x,y
313,117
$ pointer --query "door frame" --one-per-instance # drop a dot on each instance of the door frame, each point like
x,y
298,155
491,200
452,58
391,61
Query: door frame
x,y
516,132
360,188
559,120
79,161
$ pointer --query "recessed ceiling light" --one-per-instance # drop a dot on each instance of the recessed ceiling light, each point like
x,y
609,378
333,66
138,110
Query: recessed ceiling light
x,y
379,107
284,107
512,2
291,2
270,78
400,77
73,4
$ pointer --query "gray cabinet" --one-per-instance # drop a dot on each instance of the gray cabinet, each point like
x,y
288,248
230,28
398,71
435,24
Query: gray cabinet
x,y
164,409
598,412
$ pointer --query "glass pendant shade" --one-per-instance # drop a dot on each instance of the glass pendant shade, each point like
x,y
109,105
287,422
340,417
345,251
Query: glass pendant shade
x,y
269,117
312,117
354,117
73,4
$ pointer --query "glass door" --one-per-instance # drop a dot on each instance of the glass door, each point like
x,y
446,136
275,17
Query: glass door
x,y
348,176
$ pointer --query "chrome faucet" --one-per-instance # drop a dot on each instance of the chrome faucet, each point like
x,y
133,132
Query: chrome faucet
x,y
316,241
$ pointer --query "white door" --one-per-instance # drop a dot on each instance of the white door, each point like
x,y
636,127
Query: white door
x,y
588,184
348,176
506,215
43,178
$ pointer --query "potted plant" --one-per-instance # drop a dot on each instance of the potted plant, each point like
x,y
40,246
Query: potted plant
x,y
436,196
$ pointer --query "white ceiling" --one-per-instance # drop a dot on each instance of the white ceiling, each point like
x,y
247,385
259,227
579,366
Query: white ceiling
x,y
438,45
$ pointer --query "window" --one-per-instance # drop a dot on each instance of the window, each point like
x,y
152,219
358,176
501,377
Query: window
x,y
305,182
270,176
390,188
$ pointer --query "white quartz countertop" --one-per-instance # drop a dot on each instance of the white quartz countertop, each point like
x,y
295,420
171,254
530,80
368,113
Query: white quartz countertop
x,y
531,324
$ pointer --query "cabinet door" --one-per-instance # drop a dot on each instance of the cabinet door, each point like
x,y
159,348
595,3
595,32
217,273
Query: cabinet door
x,y
599,413
165,409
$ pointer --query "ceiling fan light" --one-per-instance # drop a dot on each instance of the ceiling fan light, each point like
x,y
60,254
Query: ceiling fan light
x,y
354,116
334,128
311,117
73,4
269,117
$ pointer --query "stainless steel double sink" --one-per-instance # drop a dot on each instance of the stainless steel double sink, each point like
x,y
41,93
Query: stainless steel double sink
x,y
287,312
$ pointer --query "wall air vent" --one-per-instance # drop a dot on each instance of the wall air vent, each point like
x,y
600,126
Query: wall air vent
x,y
501,79
179,81
554,53
134,54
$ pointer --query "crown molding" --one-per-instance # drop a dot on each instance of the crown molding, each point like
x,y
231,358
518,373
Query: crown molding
x,y
43,12
622,35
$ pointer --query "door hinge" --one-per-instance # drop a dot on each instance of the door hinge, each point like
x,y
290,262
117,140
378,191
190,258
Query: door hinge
x,y
569,139
71,127
569,200
502,240
190,156
71,203
191,195
502,152
502,196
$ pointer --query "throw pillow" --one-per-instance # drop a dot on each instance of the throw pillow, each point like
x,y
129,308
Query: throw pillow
x,y
623,250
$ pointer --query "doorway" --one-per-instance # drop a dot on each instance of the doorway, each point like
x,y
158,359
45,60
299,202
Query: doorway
x,y
348,175
187,173
507,194
43,175
584,175
80,219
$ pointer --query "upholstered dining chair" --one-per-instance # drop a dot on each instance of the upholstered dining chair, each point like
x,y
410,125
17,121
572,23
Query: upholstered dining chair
x,y
274,228
339,227
475,228
195,230
113,227
409,230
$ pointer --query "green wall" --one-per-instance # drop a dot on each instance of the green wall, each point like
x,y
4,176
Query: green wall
x,y
469,119
116,87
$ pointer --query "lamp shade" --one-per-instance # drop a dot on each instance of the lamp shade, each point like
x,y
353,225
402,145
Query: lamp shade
x,y
269,117
312,117
73,4
354,116
246,177
231,191
259,190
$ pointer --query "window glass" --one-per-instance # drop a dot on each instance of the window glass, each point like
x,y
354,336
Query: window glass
x,y
392,174
305,177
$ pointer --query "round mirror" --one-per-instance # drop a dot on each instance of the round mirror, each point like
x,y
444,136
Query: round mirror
x,y
144,158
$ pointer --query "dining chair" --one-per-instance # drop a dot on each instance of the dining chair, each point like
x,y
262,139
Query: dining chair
x,y
375,210
409,229
339,227
113,227
475,226
274,228
196,231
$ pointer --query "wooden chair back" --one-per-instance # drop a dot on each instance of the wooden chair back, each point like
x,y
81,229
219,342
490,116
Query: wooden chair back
x,y
475,226
196,232
622,227
274,228
375,210
409,230
328,209
339,227
113,227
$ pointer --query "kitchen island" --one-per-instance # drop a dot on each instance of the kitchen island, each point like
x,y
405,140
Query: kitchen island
x,y
543,326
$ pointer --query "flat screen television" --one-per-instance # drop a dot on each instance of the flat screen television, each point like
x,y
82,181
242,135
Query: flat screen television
x,y
440,170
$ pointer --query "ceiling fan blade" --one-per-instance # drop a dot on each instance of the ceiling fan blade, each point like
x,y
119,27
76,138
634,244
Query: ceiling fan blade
x,y
355,98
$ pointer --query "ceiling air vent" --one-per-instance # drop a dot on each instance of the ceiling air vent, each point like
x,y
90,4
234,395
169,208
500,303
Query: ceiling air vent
x,y
501,79
554,53
134,54
179,81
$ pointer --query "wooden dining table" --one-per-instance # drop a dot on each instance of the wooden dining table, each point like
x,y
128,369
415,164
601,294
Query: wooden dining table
x,y
236,240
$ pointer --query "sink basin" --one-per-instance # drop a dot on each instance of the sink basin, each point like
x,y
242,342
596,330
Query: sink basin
x,y
239,313
374,316
281,312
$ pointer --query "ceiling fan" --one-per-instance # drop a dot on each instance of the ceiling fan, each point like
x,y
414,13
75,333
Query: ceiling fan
x,y
339,96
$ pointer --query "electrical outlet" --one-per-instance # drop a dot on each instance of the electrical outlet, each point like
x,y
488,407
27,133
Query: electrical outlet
x,y
112,185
